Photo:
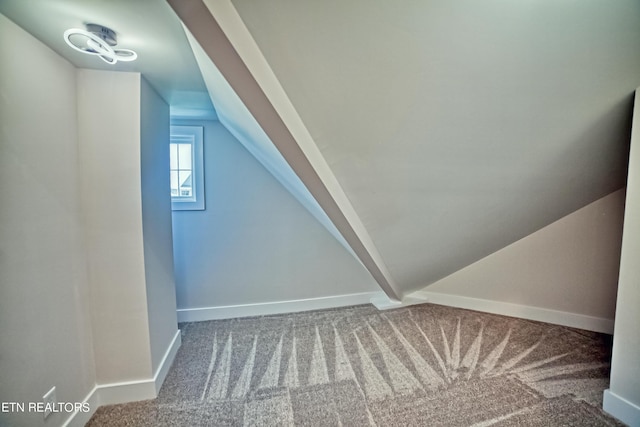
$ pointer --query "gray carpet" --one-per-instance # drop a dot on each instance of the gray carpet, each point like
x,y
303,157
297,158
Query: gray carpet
x,y
425,365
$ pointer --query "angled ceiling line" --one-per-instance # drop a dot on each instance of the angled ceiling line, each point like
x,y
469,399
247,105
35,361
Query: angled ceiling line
x,y
237,119
197,17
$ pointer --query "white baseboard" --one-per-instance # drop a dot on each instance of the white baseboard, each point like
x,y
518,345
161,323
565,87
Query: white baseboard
x,y
167,361
126,391
109,394
129,391
573,320
383,302
278,307
79,419
621,408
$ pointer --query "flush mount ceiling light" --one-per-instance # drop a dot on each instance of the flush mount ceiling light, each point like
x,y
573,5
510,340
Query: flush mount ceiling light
x,y
98,40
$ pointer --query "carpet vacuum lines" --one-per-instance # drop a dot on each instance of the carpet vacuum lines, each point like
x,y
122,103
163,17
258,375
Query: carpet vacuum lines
x,y
356,366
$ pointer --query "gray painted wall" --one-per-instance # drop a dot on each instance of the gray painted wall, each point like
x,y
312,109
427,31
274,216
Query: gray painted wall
x,y
254,242
127,222
46,337
113,222
625,363
156,221
570,266
86,288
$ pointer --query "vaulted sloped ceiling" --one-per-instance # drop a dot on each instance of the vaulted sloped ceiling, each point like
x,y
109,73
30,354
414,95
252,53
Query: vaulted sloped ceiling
x,y
450,128
235,117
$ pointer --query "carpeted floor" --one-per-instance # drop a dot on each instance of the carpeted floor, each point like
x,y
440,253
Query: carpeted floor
x,y
425,365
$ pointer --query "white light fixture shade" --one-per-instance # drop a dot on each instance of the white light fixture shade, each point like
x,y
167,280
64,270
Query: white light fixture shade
x,y
92,44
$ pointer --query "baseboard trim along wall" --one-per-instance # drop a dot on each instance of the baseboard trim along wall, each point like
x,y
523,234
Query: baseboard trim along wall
x,y
277,307
129,391
382,302
79,419
621,408
167,361
573,320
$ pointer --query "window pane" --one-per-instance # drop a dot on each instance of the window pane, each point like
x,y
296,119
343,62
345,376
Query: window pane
x,y
173,156
174,184
186,167
184,156
186,185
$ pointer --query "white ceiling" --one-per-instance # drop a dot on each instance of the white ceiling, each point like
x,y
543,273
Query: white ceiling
x,y
454,127
149,27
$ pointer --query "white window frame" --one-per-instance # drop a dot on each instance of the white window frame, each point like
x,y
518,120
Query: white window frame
x,y
193,135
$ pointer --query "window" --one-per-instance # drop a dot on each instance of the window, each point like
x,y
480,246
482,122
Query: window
x,y
186,168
